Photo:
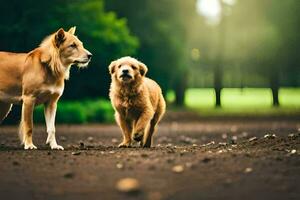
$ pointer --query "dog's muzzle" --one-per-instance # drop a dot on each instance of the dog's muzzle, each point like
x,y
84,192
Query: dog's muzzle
x,y
84,62
125,76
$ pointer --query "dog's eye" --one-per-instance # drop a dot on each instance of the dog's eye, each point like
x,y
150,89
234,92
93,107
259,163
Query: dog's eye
x,y
73,45
134,67
119,66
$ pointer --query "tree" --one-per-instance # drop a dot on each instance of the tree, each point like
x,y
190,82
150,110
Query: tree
x,y
25,23
161,29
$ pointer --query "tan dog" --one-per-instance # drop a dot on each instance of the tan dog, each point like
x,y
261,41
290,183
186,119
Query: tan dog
x,y
138,101
38,77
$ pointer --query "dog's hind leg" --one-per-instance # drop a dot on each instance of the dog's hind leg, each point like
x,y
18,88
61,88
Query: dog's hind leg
x,y
4,110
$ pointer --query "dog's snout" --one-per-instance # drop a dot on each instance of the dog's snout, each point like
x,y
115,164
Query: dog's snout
x,y
125,71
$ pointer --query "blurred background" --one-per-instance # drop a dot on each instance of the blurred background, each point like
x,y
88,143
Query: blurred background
x,y
211,57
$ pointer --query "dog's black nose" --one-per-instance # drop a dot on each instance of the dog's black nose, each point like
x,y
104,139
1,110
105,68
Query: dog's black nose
x,y
89,55
125,71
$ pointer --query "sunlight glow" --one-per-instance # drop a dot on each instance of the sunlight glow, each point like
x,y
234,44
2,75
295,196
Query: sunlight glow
x,y
210,9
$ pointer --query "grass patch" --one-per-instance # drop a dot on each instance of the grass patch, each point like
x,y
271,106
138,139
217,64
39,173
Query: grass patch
x,y
79,112
235,102
241,102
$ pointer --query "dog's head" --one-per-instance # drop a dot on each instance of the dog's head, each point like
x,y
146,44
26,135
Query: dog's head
x,y
127,70
71,49
65,47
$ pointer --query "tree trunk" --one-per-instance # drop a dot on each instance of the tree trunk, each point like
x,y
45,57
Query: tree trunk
x,y
275,87
218,71
218,85
180,88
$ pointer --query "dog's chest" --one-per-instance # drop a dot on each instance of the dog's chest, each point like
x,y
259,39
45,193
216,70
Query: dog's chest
x,y
128,108
45,92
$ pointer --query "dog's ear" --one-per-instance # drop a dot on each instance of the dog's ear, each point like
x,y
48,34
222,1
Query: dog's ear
x,y
143,68
72,30
59,37
112,67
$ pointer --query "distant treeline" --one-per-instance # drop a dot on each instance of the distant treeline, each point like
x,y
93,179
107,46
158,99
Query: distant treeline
x,y
255,43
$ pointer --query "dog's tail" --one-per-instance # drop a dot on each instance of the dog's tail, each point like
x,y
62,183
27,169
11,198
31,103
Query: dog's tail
x,y
21,134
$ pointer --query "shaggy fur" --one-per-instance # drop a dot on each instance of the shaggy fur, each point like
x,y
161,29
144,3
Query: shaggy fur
x,y
38,77
138,101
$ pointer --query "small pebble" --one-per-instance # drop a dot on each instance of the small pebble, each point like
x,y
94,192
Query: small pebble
x,y
244,134
222,143
233,139
128,185
178,169
270,136
292,136
210,143
169,145
76,153
114,141
90,139
189,165
120,166
293,151
220,151
248,170
252,139
118,156
224,136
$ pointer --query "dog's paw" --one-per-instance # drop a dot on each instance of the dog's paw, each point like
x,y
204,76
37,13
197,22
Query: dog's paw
x,y
124,145
57,147
29,146
137,137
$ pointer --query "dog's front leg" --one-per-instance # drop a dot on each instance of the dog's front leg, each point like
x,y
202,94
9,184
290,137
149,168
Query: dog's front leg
x,y
26,126
50,112
141,124
126,128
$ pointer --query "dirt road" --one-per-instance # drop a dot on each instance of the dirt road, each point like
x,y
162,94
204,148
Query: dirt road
x,y
213,160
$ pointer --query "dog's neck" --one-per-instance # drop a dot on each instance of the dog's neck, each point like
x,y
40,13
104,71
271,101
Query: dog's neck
x,y
128,89
52,59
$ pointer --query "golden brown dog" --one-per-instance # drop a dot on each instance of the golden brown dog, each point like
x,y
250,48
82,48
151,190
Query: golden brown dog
x,y
138,101
38,77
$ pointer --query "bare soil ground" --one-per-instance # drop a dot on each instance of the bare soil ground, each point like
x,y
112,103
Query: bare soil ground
x,y
218,159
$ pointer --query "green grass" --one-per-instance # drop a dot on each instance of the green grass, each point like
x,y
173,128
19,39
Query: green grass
x,y
78,112
237,102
